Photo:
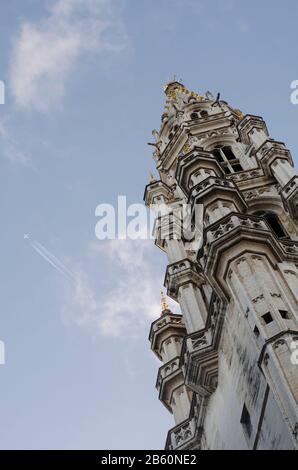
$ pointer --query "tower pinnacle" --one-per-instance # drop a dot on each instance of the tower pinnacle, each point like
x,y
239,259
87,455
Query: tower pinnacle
x,y
172,84
164,304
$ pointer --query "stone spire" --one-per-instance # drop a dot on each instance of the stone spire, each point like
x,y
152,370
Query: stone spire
x,y
228,360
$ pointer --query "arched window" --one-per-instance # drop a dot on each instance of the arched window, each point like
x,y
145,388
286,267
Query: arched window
x,y
194,115
228,153
228,160
197,114
218,155
273,221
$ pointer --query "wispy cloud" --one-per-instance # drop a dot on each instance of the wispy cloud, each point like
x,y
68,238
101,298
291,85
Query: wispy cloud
x,y
45,53
129,298
130,301
10,149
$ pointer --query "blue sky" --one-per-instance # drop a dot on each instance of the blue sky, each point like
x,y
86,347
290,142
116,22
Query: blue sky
x,y
83,92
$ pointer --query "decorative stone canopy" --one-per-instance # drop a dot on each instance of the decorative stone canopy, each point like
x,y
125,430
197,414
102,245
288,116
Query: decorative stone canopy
x,y
192,162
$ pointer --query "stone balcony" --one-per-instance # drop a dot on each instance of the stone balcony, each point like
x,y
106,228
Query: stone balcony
x,y
181,273
166,320
234,234
192,162
252,224
245,175
181,436
198,341
231,223
214,189
167,370
210,181
168,378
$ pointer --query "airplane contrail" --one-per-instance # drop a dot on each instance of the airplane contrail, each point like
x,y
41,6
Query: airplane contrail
x,y
51,259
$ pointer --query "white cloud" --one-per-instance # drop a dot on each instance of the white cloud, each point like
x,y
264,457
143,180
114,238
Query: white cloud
x,y
45,53
127,307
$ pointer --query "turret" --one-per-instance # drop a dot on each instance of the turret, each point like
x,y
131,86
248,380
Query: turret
x,y
166,336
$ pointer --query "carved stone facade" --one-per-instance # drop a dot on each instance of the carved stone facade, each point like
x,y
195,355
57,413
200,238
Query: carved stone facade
x,y
228,373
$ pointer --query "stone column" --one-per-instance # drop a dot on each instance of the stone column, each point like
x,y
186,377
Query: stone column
x,y
193,307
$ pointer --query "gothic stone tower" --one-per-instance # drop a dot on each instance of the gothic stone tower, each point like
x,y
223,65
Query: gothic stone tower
x,y
228,374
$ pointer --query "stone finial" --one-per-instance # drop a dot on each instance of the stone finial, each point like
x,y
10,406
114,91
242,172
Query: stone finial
x,y
152,178
164,304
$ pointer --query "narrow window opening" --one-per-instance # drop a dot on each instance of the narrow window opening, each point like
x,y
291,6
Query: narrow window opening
x,y
237,167
275,225
284,314
272,220
267,317
229,153
217,154
256,331
246,421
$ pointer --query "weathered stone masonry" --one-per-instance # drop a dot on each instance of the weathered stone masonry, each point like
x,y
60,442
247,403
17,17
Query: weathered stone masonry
x,y
228,374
